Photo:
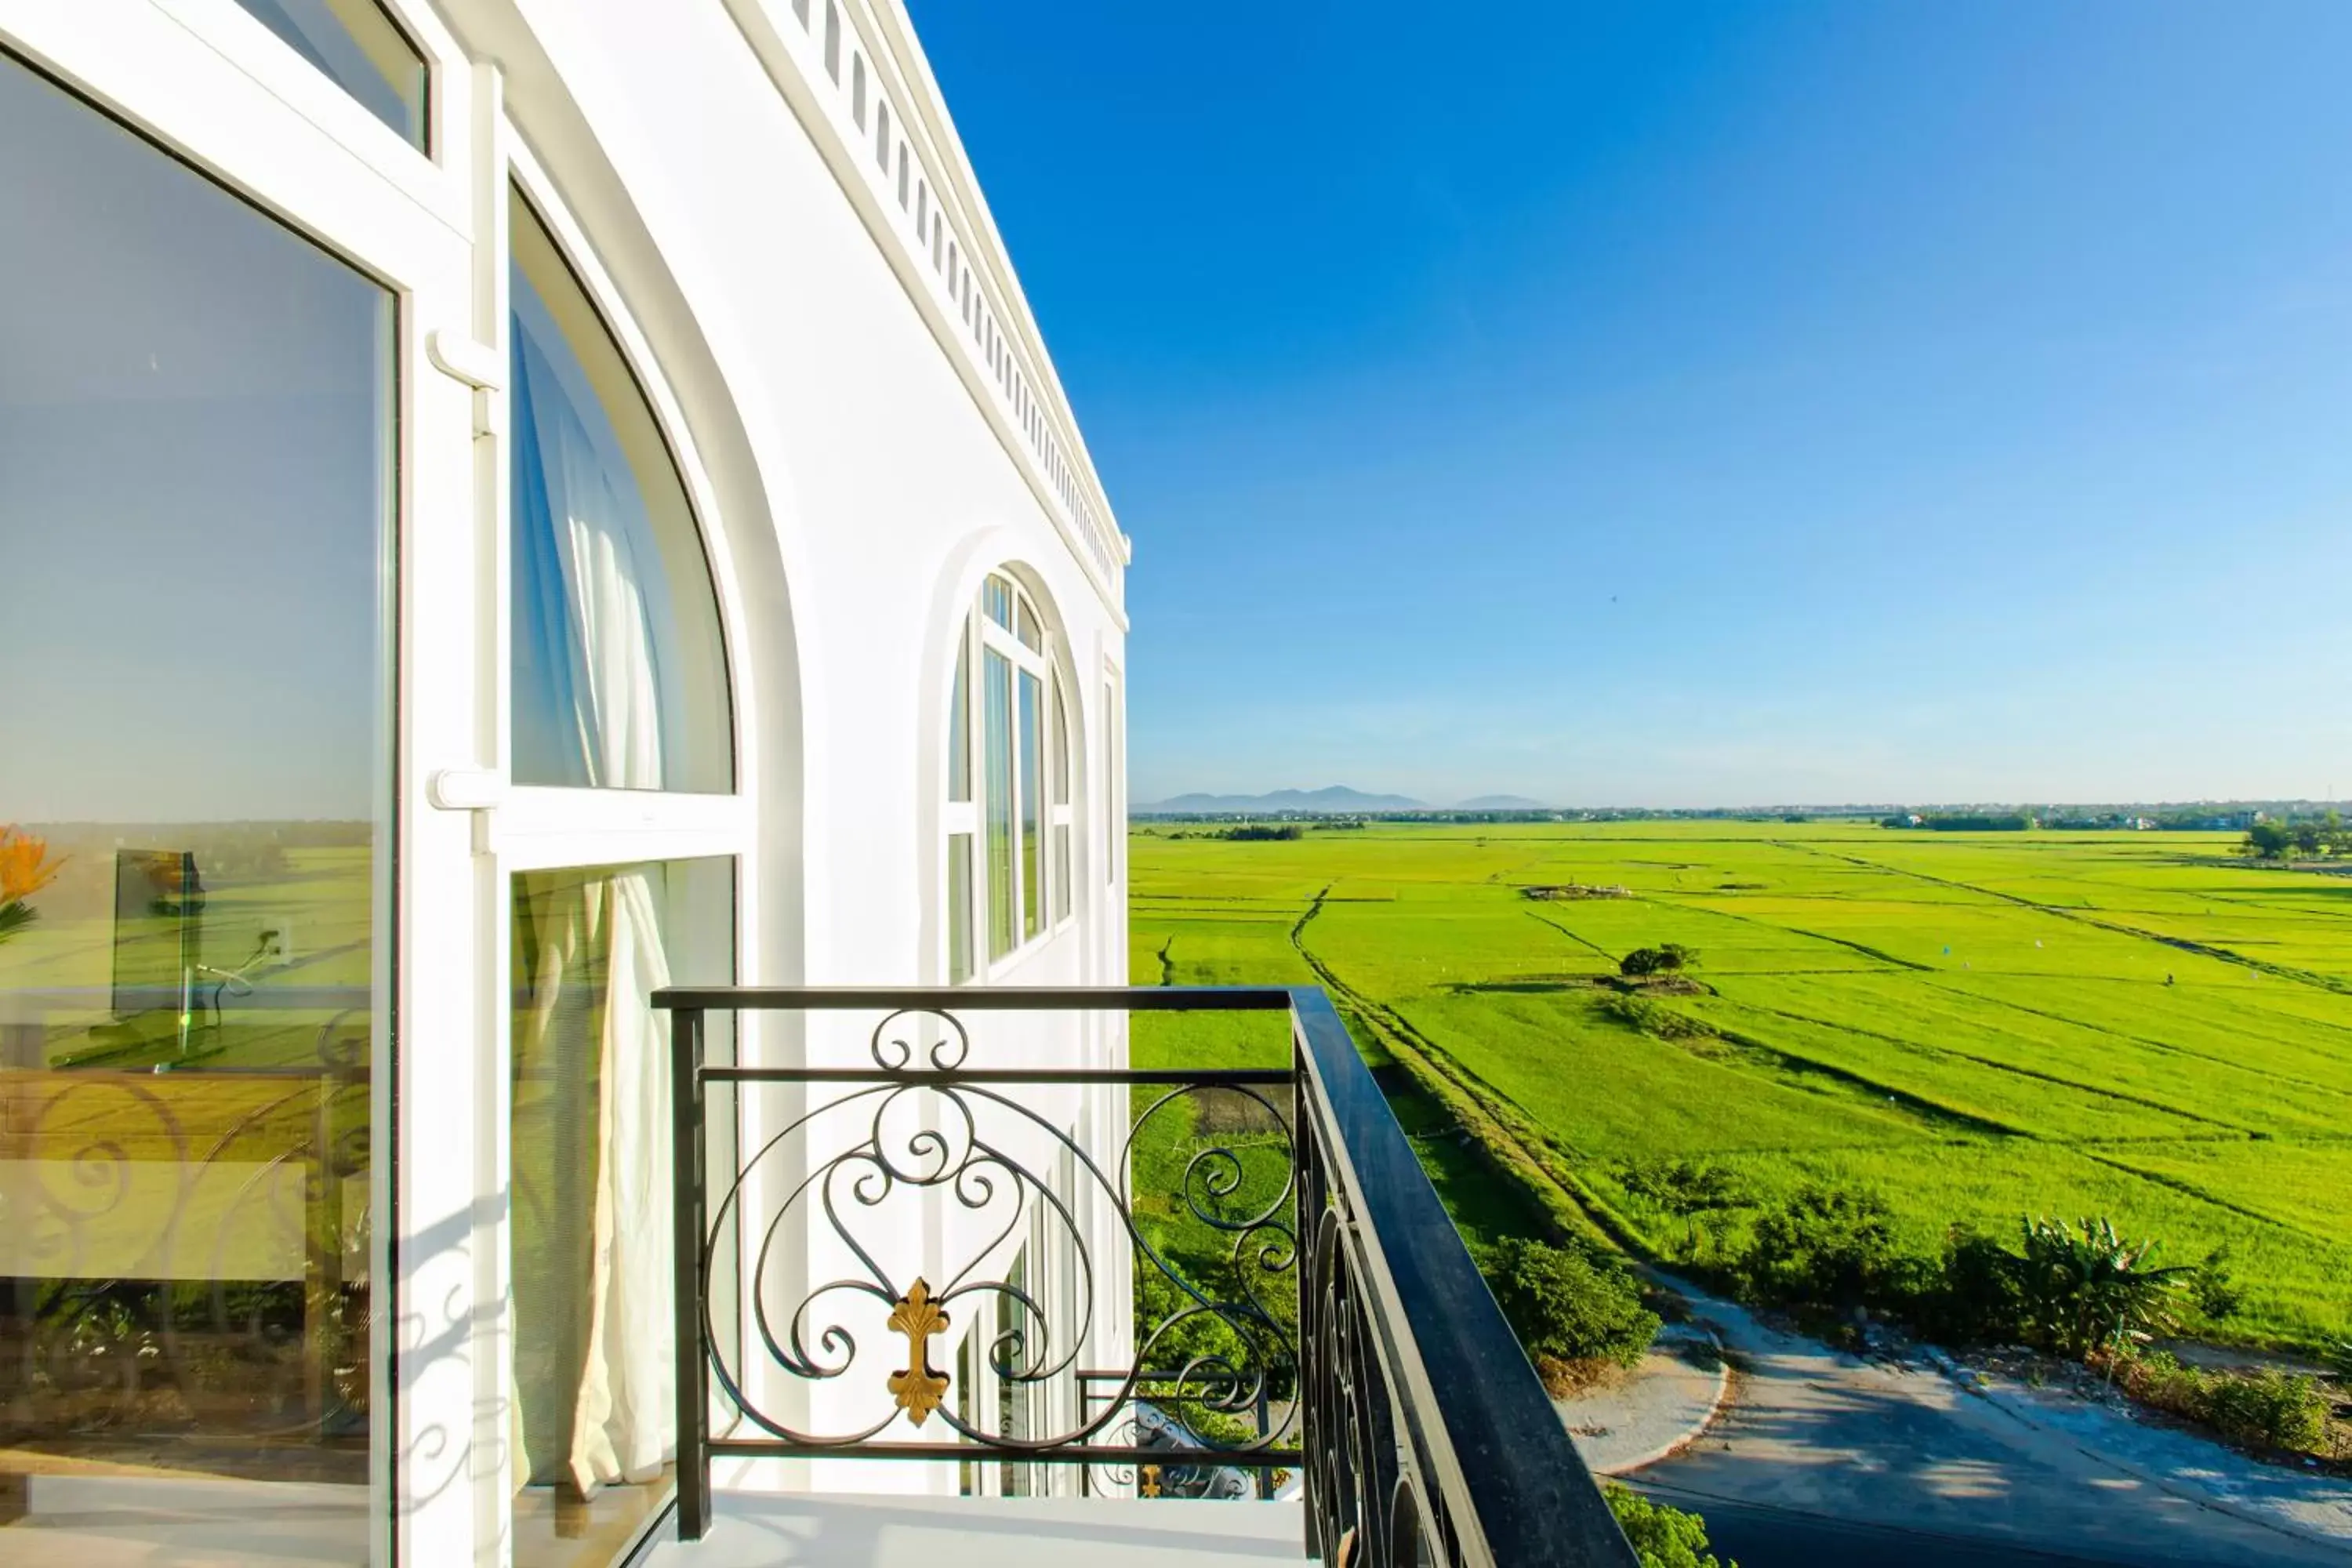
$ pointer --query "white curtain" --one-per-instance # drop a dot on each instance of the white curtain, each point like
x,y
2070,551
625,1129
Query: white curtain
x,y
624,1426
590,604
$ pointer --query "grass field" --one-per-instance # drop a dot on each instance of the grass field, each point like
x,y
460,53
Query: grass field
x,y
1975,1026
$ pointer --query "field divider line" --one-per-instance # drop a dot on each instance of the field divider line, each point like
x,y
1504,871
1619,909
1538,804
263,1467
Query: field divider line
x,y
1505,1138
2186,1188
1954,1052
2178,944
1950,989
1541,919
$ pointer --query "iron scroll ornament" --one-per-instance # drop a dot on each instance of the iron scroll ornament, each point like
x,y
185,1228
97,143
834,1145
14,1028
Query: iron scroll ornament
x,y
922,1123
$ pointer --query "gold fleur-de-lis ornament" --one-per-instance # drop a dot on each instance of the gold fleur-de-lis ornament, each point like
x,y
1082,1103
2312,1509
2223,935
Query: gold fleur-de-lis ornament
x,y
918,1389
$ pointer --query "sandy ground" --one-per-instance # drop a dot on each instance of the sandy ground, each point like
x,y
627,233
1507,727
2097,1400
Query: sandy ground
x,y
1665,1402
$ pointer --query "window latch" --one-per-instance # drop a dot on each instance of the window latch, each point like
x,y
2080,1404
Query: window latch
x,y
478,364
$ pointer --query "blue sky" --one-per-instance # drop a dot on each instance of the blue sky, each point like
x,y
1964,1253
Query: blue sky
x,y
1701,404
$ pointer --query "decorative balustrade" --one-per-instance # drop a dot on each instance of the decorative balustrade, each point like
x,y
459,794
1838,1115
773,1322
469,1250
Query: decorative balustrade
x,y
1161,1277
882,128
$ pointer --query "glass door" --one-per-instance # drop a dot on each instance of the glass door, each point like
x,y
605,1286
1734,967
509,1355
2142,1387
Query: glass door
x,y
219,431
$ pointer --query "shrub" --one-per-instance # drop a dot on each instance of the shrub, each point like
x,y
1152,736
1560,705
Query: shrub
x,y
1823,1247
1977,1295
1663,1536
2272,1409
1574,1303
1690,1189
2214,1288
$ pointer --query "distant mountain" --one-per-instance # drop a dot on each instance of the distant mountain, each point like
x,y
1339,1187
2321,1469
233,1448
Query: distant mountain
x,y
1502,803
1337,801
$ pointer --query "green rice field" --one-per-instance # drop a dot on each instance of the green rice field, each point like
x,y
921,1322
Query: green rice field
x,y
1975,1026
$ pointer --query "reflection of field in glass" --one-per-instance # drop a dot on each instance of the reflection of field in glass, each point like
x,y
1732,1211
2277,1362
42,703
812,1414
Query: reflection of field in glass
x,y
1976,1026
185,1145
279,949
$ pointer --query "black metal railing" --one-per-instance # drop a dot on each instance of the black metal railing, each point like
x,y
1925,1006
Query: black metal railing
x,y
1254,1257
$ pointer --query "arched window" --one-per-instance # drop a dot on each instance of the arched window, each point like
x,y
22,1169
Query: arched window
x,y
619,672
622,856
1009,839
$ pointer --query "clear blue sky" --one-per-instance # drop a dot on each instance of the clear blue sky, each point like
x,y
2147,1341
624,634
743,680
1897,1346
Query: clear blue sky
x,y
1701,404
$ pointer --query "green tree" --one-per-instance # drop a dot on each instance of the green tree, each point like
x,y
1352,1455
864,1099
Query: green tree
x,y
2269,840
1663,1536
2090,1289
1666,958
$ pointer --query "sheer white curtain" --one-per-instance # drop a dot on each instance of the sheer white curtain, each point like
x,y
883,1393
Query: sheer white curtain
x,y
590,607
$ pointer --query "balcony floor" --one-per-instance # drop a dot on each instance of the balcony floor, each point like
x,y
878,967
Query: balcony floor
x,y
773,1531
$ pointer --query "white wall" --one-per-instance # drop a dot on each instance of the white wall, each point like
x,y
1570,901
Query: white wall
x,y
867,476
849,427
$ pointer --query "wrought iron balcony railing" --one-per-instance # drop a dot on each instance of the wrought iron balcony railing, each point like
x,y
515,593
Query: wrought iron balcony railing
x,y
1225,1270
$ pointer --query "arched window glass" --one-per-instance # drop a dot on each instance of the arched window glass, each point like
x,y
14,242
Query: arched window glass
x,y
1016,762
619,673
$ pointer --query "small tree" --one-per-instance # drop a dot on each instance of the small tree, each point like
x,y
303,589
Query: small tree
x,y
2090,1289
1666,958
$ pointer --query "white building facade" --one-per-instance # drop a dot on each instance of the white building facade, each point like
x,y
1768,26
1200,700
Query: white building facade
x,y
504,505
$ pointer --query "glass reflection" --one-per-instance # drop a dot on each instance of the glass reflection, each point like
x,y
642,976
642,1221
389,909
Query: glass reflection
x,y
195,503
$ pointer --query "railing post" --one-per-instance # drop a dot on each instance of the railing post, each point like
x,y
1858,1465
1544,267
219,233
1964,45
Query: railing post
x,y
1307,1213
686,1247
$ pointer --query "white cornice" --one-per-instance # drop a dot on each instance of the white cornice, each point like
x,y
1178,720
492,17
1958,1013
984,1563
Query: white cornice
x,y
877,39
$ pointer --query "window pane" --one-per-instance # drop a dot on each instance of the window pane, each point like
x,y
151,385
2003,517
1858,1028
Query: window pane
x,y
591,1158
1032,883
959,908
197,496
620,675
1025,623
960,720
996,788
361,49
996,600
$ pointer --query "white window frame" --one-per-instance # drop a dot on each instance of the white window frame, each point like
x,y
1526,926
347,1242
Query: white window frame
x,y
982,635
541,828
